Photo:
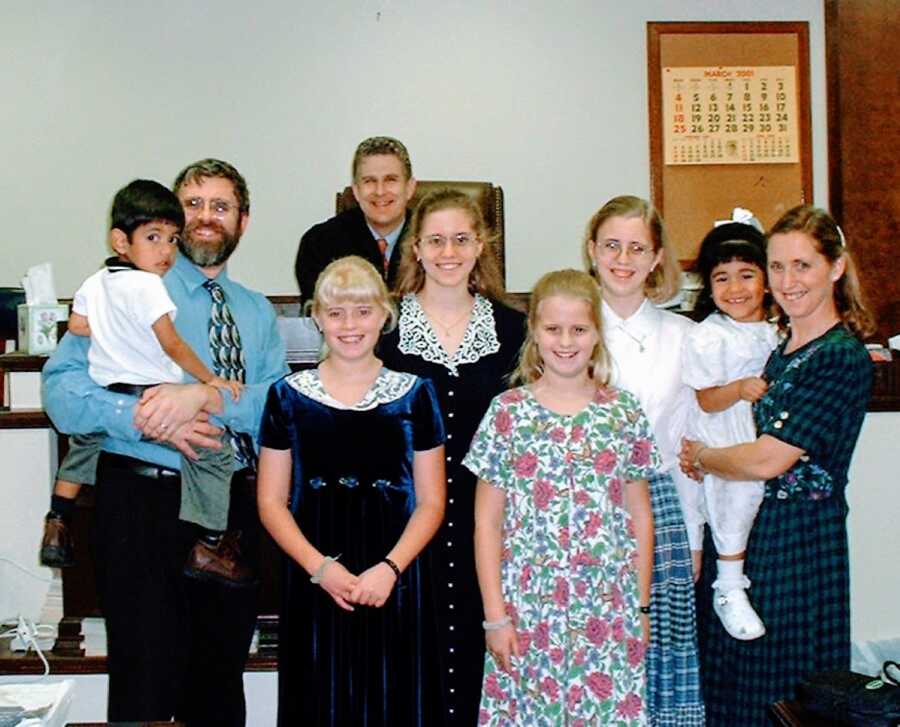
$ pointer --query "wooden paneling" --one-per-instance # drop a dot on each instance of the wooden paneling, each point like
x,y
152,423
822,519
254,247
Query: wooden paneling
x,y
863,66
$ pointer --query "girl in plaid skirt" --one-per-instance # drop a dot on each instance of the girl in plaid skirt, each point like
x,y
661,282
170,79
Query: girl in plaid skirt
x,y
627,252
807,423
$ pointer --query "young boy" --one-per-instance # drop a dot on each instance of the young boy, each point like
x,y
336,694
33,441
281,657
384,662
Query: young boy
x,y
128,314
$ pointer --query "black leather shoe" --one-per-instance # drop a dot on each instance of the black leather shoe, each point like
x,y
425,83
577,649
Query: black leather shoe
x,y
57,548
221,563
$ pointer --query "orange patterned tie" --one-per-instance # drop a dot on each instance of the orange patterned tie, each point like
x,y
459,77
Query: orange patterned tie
x,y
382,247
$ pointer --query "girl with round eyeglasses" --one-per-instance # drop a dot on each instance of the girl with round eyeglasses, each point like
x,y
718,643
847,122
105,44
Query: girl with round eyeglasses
x,y
626,250
455,330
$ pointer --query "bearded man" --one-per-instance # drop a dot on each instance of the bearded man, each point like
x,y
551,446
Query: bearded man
x,y
177,646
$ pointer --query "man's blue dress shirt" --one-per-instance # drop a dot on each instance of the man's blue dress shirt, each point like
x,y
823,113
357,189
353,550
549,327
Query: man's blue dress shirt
x,y
79,406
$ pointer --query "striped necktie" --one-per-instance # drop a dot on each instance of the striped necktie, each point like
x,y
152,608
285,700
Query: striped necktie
x,y
382,248
228,362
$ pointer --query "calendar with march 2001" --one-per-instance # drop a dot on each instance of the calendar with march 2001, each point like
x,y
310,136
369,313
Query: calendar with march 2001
x,y
730,115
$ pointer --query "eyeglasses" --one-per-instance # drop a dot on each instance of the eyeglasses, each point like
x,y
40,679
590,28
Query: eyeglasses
x,y
460,241
613,248
217,207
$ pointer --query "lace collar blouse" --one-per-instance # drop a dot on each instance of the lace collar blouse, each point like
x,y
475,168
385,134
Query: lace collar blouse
x,y
417,336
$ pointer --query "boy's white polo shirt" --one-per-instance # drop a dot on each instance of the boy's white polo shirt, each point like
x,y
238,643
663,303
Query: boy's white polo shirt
x,y
121,304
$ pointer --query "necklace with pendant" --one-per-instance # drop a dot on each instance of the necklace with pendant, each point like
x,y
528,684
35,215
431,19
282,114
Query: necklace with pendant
x,y
638,341
447,327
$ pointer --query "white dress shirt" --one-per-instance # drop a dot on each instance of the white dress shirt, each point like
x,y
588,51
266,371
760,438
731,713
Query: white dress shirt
x,y
646,360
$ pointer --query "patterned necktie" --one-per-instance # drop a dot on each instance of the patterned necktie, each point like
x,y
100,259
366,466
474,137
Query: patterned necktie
x,y
382,248
228,362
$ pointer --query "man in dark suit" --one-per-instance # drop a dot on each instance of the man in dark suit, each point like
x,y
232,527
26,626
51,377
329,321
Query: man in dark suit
x,y
383,185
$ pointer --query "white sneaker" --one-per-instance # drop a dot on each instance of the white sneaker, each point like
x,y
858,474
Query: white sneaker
x,y
736,614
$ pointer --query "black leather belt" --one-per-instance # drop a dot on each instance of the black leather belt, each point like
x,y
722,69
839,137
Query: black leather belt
x,y
130,389
158,472
140,468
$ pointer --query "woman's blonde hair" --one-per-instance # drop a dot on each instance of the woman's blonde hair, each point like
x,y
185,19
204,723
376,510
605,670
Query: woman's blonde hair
x,y
485,277
665,279
354,280
829,240
569,284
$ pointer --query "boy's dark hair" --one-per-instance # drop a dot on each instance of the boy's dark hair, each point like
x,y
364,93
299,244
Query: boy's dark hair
x,y
143,201
722,244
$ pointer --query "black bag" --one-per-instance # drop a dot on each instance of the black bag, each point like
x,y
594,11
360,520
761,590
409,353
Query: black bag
x,y
848,698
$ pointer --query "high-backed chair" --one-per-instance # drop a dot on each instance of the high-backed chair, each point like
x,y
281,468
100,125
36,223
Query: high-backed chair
x,y
488,197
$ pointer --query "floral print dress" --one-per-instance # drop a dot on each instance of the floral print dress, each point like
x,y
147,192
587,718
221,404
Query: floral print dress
x,y
568,572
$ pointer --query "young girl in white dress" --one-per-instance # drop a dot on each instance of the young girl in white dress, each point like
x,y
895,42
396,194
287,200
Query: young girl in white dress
x,y
723,359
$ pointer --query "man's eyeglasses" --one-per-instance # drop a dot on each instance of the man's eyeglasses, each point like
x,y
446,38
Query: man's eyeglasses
x,y
459,241
613,248
217,207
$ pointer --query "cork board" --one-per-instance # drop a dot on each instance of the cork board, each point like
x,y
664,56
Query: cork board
x,y
692,196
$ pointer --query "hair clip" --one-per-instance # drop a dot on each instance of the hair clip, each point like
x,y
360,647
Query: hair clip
x,y
841,235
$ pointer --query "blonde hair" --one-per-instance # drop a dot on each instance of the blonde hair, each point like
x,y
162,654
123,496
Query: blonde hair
x,y
569,284
354,280
485,276
665,279
829,241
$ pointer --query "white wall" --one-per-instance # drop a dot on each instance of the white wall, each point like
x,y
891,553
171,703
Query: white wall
x,y
873,531
548,99
28,463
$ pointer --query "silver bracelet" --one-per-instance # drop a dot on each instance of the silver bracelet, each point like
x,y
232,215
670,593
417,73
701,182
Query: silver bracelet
x,y
317,576
496,625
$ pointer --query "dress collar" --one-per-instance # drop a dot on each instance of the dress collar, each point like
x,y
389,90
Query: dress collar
x,y
388,386
417,336
640,326
193,277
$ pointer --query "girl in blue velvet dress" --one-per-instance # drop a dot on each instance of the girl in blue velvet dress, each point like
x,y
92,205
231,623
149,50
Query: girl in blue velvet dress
x,y
351,486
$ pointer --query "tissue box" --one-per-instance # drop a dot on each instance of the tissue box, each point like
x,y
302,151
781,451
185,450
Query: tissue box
x,y
37,327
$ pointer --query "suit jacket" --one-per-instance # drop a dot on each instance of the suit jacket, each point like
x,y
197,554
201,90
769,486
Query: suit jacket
x,y
344,234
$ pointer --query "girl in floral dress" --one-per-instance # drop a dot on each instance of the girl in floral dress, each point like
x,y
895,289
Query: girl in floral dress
x,y
563,526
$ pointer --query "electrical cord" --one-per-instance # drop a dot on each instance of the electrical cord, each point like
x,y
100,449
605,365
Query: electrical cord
x,y
27,572
27,632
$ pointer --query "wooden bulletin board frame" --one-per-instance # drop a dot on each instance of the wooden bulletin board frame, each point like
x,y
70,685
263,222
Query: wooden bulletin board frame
x,y
692,197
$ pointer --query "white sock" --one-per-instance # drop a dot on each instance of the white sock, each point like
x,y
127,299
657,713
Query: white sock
x,y
730,574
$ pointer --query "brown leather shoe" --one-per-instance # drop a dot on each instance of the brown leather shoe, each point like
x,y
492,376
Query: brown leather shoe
x,y
57,548
221,564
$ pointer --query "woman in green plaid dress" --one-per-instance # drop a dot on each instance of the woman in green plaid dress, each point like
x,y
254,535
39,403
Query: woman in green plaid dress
x,y
808,423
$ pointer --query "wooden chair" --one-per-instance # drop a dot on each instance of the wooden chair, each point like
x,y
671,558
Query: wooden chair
x,y
488,197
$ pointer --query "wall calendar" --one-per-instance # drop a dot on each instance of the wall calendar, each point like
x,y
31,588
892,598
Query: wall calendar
x,y
730,115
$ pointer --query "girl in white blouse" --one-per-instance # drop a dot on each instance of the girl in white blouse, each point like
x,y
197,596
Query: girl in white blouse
x,y
626,250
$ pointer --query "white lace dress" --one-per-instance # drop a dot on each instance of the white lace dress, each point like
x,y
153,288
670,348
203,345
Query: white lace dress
x,y
716,352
